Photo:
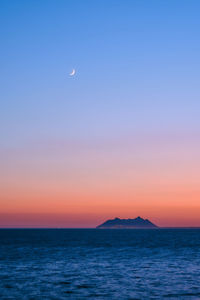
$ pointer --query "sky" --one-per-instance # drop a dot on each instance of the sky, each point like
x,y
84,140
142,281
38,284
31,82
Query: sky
x,y
120,138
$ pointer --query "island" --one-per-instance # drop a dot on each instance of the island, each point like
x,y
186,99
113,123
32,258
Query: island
x,y
137,223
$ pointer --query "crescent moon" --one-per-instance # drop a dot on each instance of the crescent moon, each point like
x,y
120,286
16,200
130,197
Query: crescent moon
x,y
72,73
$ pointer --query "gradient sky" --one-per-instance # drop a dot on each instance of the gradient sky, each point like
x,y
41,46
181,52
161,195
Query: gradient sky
x,y
119,139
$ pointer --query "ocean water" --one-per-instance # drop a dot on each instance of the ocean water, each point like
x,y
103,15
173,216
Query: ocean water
x,y
99,264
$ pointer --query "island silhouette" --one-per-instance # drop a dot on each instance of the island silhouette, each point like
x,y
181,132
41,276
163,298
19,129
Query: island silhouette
x,y
137,223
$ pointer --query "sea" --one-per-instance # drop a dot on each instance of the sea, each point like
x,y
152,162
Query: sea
x,y
99,264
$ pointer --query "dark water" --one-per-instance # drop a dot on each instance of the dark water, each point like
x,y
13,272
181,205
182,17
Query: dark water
x,y
100,264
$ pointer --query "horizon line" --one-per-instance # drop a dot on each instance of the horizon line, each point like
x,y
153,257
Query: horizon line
x,y
158,227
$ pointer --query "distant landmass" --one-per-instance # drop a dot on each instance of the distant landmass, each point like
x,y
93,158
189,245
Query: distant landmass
x,y
137,223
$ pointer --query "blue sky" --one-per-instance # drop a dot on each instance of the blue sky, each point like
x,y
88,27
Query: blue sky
x,y
130,112
137,67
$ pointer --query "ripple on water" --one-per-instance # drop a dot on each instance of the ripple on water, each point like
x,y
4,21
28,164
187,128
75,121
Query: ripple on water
x,y
81,264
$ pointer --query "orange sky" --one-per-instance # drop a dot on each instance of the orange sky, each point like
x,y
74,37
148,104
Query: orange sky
x,y
53,186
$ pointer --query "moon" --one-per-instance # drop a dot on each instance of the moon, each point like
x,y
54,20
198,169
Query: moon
x,y
72,72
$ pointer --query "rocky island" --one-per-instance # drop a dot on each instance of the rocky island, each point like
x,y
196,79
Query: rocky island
x,y
137,223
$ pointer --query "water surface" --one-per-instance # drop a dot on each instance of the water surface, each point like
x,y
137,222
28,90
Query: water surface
x,y
99,264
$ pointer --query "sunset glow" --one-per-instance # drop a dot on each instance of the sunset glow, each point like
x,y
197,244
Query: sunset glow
x,y
119,139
